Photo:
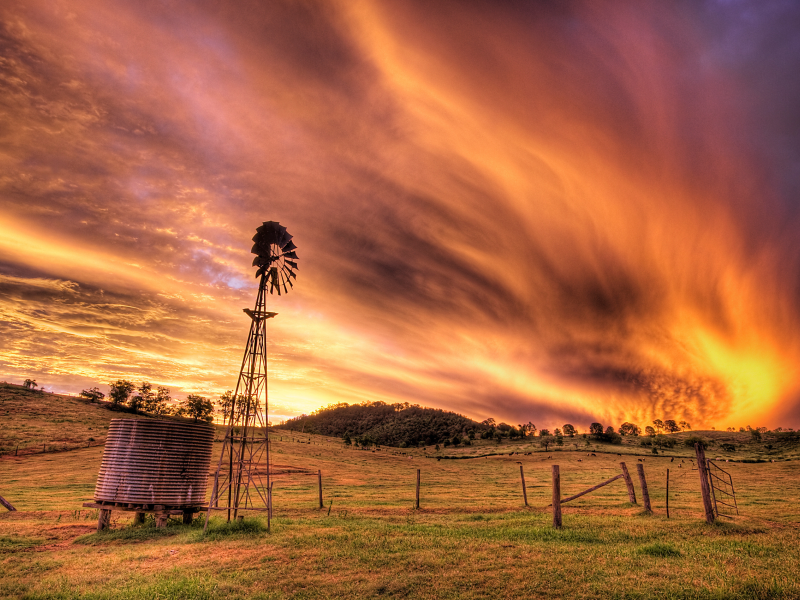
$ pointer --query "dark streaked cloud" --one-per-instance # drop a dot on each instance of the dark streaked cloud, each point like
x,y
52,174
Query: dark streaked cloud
x,y
535,212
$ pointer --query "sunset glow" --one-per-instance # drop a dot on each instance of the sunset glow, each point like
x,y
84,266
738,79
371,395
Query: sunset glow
x,y
534,212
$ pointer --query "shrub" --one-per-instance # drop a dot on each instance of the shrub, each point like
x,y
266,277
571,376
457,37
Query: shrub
x,y
691,441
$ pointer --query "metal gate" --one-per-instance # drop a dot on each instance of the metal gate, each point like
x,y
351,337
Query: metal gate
x,y
722,491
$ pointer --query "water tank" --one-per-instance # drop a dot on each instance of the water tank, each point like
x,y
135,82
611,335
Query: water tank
x,y
154,462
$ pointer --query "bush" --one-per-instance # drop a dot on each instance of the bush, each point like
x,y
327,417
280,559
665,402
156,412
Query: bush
x,y
691,441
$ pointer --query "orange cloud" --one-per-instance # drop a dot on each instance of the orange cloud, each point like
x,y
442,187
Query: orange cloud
x,y
547,213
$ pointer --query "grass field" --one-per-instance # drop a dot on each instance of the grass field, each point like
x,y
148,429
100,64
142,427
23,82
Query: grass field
x,y
471,538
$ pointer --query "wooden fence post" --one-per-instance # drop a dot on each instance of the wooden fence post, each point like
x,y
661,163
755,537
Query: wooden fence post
x,y
668,493
556,498
7,504
417,503
643,483
103,519
628,483
269,501
138,518
215,491
702,468
319,479
524,491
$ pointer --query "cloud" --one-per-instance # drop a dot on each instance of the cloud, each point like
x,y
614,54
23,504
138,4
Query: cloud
x,y
533,212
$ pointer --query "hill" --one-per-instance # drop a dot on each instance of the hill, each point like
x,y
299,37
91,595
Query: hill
x,y
385,424
35,421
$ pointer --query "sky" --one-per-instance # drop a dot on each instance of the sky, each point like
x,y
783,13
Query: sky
x,y
548,212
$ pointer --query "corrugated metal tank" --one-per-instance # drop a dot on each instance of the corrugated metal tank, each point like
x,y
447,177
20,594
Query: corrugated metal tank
x,y
155,462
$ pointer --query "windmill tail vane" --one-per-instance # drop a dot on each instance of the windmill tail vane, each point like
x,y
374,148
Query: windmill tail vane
x,y
242,480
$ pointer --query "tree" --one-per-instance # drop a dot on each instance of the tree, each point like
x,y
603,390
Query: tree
x,y
559,438
659,425
568,430
30,384
629,429
226,402
143,398
198,407
670,426
544,433
92,394
756,435
120,391
731,429
596,429
545,441
650,431
684,425
531,428
346,437
610,431
557,432
158,403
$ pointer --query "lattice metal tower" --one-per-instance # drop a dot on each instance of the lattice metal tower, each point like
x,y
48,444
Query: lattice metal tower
x,y
242,481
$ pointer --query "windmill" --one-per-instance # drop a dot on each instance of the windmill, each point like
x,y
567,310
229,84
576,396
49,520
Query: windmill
x,y
242,481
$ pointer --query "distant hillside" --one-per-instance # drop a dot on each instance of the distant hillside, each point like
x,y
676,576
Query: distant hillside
x,y
34,421
385,424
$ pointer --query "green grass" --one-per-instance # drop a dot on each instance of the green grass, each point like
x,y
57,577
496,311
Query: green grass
x,y
15,543
660,549
472,537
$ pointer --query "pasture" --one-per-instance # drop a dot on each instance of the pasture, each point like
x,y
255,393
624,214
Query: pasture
x,y
471,538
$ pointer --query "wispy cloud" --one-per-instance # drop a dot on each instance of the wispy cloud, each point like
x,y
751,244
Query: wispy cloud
x,y
531,212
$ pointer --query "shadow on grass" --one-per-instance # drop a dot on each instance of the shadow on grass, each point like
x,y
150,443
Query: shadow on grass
x,y
127,534
16,543
221,530
660,549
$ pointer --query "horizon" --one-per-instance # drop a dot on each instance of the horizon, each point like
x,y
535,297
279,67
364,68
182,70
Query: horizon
x,y
583,430
499,210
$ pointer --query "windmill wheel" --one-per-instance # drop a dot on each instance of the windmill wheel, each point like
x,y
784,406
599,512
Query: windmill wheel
x,y
275,256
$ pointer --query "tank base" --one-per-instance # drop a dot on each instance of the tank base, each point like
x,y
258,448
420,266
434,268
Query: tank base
x,y
161,513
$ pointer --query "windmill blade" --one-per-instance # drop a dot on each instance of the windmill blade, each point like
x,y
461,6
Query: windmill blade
x,y
289,247
291,264
291,255
275,280
285,238
289,272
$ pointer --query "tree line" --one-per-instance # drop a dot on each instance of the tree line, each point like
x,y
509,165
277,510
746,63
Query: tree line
x,y
125,394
